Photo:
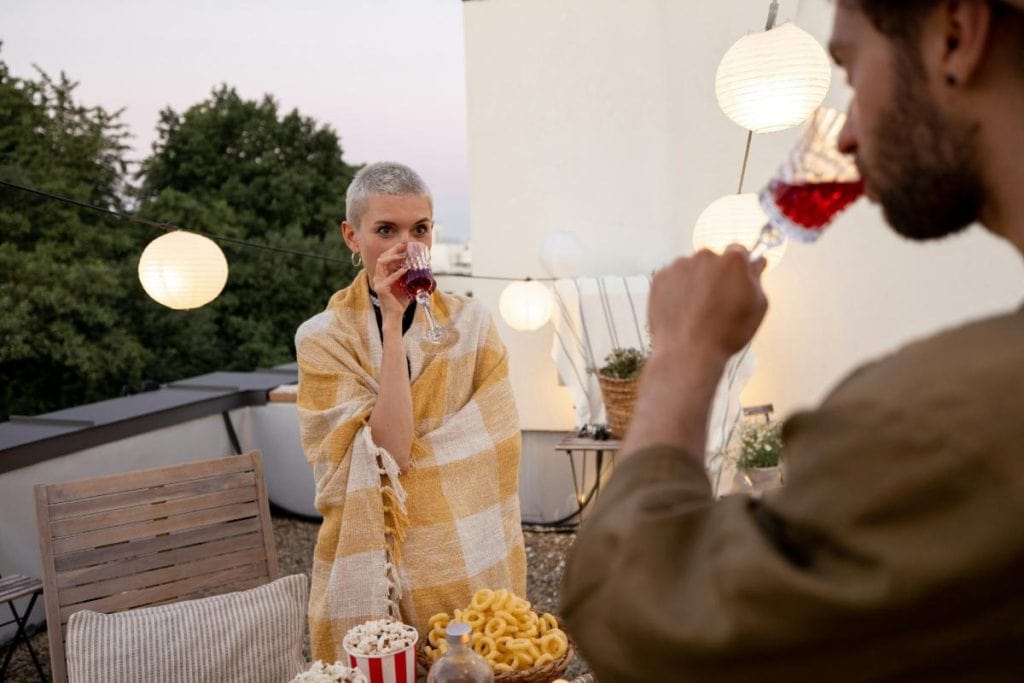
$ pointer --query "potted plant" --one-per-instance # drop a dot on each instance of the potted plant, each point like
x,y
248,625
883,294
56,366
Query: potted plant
x,y
759,461
618,379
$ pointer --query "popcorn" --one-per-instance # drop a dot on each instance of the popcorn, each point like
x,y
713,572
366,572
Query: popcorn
x,y
379,637
320,672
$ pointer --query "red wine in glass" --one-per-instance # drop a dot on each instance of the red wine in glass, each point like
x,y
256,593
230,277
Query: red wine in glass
x,y
810,207
419,284
419,280
810,189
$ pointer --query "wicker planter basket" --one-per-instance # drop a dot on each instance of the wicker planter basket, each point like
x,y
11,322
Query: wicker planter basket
x,y
619,398
539,674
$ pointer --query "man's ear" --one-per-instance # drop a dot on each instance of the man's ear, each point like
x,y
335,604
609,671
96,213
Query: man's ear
x,y
958,40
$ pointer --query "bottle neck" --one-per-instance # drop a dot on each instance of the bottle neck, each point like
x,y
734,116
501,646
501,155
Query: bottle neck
x,y
458,644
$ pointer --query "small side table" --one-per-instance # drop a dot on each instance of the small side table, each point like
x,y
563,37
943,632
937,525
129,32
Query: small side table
x,y
572,444
12,588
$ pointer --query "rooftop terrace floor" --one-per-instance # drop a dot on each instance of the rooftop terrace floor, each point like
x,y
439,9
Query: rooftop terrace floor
x,y
295,537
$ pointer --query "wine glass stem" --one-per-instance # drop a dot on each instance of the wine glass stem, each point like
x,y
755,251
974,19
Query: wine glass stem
x,y
758,250
768,238
423,299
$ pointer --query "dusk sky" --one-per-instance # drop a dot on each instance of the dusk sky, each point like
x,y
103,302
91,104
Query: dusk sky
x,y
387,75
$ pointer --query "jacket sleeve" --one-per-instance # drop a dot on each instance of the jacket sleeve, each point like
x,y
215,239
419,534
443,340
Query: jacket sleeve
x,y
889,510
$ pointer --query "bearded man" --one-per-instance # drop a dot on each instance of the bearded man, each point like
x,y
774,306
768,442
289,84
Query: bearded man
x,y
896,549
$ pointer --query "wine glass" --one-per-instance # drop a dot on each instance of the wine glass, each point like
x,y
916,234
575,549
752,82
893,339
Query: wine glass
x,y
811,188
419,283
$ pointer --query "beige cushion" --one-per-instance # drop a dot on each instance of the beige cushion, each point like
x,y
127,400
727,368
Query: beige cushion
x,y
252,636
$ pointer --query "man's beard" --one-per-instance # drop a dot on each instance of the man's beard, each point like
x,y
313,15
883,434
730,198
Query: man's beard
x,y
924,172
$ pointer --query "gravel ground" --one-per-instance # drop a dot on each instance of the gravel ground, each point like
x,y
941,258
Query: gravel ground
x,y
545,557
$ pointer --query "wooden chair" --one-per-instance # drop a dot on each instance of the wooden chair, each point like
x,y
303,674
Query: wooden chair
x,y
150,537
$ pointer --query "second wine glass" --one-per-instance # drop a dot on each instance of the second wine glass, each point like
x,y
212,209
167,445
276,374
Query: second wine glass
x,y
419,284
812,187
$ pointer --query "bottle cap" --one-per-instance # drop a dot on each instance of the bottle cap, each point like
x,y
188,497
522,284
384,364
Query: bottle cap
x,y
457,632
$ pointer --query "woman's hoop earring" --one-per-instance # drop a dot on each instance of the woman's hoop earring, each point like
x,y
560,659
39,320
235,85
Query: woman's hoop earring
x,y
357,260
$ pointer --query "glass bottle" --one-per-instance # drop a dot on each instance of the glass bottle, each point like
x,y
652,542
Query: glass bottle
x,y
460,664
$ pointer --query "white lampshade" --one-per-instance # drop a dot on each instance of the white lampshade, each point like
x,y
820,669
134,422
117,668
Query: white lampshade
x,y
561,254
733,219
183,270
774,79
526,305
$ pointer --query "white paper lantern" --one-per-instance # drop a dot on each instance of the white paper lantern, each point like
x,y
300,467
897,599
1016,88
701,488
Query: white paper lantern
x,y
561,254
526,305
774,79
183,270
733,219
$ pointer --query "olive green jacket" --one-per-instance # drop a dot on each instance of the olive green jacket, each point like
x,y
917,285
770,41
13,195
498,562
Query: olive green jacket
x,y
894,552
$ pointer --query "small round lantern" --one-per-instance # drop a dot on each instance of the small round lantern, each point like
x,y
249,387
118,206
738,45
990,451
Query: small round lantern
x,y
183,270
733,219
774,79
526,305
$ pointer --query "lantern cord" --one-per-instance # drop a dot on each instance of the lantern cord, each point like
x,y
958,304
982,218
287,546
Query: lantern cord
x,y
746,156
773,11
170,227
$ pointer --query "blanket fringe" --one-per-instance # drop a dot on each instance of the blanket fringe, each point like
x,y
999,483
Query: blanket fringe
x,y
416,451
396,520
394,589
393,493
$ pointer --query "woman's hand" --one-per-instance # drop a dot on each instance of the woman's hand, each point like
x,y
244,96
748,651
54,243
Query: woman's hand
x,y
388,272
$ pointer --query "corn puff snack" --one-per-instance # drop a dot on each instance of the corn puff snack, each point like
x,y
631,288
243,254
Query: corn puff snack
x,y
506,632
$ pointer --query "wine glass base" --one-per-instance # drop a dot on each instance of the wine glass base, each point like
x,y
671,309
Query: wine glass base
x,y
441,340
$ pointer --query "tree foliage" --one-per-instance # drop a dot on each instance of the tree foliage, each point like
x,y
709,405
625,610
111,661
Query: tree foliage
x,y
64,333
77,326
237,168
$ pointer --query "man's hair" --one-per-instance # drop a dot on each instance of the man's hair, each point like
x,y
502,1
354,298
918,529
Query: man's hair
x,y
381,178
901,20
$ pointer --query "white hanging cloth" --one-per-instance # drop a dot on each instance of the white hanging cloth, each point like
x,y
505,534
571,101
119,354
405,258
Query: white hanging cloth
x,y
595,315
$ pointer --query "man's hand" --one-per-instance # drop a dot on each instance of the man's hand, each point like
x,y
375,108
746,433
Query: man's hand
x,y
702,310
707,304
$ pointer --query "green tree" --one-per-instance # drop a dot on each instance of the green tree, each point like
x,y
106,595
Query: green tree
x,y
77,326
65,333
239,169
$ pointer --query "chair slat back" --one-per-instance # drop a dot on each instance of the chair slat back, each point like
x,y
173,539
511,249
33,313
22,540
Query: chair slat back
x,y
150,537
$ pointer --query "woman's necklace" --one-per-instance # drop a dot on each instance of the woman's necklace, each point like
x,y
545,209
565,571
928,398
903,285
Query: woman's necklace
x,y
374,300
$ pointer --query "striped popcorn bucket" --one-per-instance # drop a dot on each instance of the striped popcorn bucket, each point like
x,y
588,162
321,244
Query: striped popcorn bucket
x,y
397,667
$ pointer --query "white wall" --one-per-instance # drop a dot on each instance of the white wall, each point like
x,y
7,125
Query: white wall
x,y
599,117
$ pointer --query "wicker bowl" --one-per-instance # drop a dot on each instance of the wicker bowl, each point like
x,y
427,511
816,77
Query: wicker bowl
x,y
538,674
619,398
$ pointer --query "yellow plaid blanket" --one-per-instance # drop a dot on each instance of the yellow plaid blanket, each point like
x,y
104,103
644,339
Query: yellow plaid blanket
x,y
413,545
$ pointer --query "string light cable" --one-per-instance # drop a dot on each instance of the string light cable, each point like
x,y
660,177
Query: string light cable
x,y
563,524
170,227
